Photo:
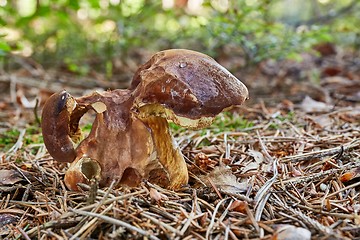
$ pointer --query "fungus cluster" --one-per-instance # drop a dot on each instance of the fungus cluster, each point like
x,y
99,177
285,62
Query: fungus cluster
x,y
130,139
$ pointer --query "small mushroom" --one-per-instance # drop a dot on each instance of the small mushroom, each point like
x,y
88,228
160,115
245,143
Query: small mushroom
x,y
130,139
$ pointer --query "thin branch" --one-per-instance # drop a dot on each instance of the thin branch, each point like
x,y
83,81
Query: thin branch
x,y
115,222
321,153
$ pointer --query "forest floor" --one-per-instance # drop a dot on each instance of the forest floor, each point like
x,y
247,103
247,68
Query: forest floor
x,y
285,165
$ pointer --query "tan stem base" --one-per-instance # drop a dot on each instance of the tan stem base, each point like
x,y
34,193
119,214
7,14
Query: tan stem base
x,y
168,152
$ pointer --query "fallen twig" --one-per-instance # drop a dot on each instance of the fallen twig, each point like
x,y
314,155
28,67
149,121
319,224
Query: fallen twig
x,y
321,153
115,222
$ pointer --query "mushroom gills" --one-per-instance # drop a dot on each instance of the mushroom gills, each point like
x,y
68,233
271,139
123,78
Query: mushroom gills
x,y
163,112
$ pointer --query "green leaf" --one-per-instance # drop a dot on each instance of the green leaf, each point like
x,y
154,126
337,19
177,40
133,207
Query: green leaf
x,y
4,46
2,22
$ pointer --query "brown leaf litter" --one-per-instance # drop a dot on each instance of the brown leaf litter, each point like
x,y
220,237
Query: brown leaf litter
x,y
292,172
294,178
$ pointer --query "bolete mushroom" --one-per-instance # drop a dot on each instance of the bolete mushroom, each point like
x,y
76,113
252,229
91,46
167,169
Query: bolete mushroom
x,y
130,139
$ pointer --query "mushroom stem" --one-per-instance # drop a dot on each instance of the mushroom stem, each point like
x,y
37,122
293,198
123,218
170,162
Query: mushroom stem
x,y
169,154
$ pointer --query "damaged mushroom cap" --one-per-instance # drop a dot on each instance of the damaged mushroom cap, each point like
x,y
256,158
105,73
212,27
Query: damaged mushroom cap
x,y
118,148
58,131
186,87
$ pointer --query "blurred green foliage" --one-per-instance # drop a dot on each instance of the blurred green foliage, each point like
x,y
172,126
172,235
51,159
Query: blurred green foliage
x,y
9,137
87,34
230,122
224,122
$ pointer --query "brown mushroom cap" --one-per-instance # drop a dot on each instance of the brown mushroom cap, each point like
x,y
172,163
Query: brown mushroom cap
x,y
186,87
56,128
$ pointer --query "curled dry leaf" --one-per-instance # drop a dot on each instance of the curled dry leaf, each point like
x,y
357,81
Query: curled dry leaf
x,y
353,173
321,121
309,105
225,180
238,206
210,150
130,139
157,196
258,156
252,166
289,232
5,220
9,177
295,172
203,219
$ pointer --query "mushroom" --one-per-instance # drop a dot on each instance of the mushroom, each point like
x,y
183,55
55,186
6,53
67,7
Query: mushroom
x,y
130,139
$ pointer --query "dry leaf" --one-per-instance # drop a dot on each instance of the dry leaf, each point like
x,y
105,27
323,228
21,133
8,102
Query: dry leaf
x,y
328,205
238,206
289,232
212,149
9,177
23,100
250,167
353,173
157,196
203,219
322,120
309,105
26,166
224,179
295,172
325,48
258,156
6,219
